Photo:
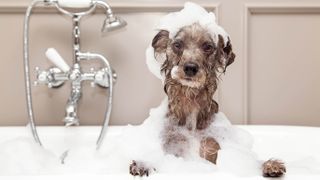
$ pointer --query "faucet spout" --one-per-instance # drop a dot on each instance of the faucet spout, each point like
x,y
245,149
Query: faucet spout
x,y
71,118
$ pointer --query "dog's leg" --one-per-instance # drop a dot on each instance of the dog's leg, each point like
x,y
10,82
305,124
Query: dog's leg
x,y
273,168
209,148
175,143
137,168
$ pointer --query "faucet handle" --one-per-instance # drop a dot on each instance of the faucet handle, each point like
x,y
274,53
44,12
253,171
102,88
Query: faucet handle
x,y
42,76
102,78
37,69
47,77
57,60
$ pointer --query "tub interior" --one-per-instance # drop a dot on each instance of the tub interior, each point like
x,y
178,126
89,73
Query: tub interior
x,y
297,146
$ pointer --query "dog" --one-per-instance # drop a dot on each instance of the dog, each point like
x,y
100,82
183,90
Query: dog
x,y
193,61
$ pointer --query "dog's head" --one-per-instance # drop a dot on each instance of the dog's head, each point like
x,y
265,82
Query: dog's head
x,y
193,57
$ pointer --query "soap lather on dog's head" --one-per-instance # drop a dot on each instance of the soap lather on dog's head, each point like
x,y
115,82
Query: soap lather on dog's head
x,y
193,57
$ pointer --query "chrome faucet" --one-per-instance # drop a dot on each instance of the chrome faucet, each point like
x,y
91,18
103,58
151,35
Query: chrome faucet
x,y
55,77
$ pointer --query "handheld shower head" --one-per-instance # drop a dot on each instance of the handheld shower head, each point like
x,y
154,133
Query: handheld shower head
x,y
112,23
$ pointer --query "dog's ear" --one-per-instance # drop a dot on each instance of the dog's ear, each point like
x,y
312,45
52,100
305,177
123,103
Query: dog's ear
x,y
227,55
160,42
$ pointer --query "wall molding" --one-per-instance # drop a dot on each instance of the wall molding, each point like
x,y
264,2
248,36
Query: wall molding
x,y
118,7
265,8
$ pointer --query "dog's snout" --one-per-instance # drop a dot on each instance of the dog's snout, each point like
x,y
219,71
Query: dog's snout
x,y
190,69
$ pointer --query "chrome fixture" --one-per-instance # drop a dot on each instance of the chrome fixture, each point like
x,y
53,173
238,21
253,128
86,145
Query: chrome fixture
x,y
111,22
56,76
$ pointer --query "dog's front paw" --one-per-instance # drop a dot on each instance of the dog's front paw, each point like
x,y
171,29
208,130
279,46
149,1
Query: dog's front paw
x,y
273,168
209,148
140,169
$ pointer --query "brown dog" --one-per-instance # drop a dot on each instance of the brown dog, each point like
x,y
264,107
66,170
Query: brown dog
x,y
191,67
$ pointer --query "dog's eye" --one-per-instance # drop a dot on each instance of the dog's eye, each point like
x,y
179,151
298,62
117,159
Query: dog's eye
x,y
178,45
207,47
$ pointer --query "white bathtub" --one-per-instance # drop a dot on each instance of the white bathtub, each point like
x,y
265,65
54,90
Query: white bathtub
x,y
299,146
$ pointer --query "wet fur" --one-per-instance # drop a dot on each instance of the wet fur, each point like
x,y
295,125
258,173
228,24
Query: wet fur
x,y
190,100
184,100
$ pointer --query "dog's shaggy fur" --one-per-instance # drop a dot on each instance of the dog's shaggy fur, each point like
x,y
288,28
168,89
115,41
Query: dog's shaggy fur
x,y
193,61
190,96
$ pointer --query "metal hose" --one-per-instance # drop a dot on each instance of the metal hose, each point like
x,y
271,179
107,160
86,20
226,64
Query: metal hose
x,y
109,103
27,70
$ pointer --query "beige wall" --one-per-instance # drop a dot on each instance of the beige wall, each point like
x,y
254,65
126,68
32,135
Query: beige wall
x,y
274,80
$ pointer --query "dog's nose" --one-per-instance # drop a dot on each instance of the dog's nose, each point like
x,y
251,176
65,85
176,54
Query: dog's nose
x,y
190,69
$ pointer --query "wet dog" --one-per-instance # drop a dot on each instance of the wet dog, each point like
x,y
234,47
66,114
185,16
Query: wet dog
x,y
193,59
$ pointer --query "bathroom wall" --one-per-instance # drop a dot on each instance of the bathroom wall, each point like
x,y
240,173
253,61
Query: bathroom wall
x,y
274,80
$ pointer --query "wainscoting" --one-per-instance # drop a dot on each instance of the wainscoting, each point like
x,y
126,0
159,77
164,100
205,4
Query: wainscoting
x,y
275,78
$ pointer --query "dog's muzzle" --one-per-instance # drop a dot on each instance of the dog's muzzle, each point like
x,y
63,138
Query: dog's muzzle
x,y
190,69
